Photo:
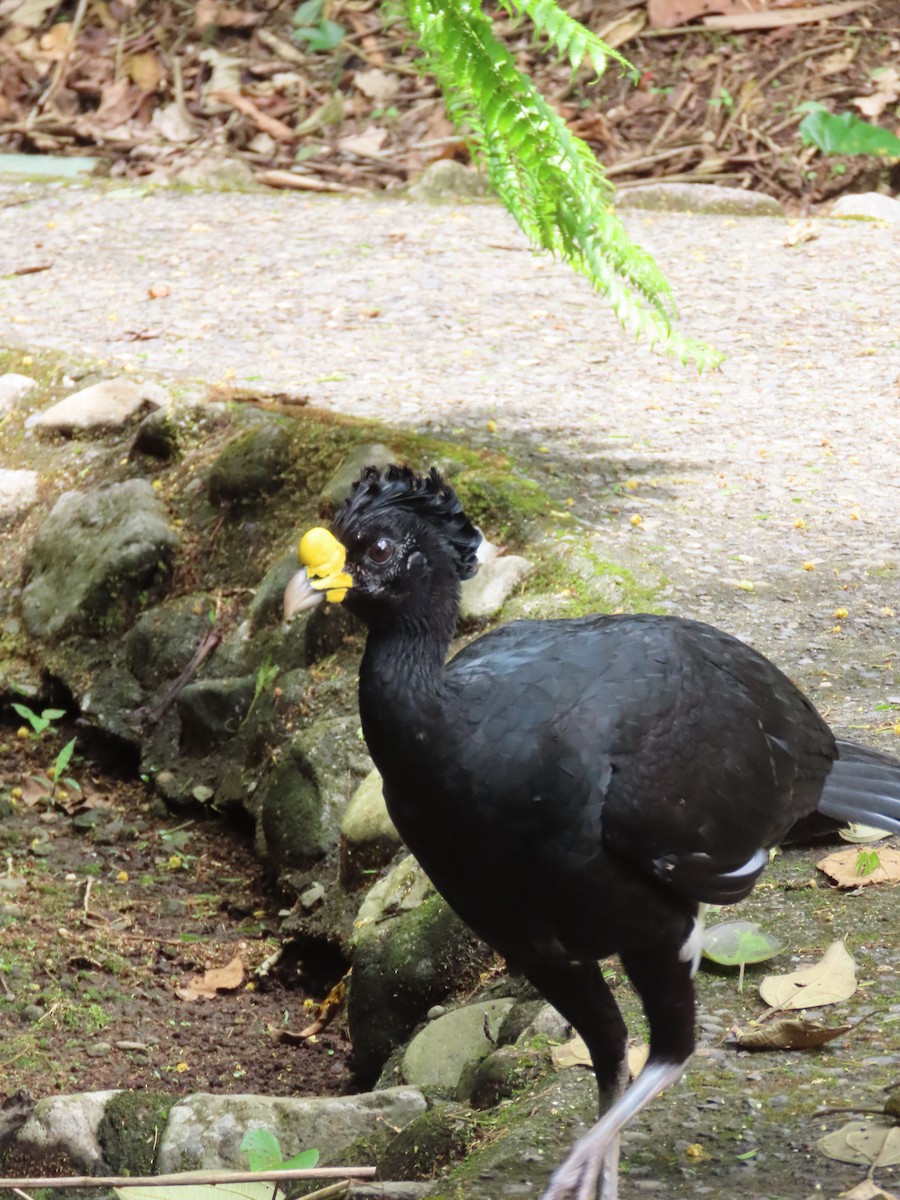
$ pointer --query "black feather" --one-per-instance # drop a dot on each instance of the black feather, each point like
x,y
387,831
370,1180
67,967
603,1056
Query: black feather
x,y
425,496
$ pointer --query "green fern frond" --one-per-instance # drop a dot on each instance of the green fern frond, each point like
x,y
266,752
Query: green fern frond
x,y
547,177
567,36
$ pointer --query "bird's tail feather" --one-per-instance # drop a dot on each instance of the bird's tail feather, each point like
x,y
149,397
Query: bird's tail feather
x,y
863,787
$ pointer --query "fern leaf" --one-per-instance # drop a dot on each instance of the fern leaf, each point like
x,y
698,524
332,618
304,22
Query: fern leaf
x,y
547,177
567,36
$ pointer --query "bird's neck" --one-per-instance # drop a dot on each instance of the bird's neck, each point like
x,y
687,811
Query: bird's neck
x,y
401,683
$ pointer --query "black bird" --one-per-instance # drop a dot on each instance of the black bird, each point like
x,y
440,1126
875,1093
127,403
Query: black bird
x,y
577,788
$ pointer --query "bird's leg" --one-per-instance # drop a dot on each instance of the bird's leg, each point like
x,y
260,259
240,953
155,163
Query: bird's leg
x,y
595,1156
664,984
580,993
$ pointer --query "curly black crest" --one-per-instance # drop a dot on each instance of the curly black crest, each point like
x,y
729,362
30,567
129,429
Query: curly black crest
x,y
425,496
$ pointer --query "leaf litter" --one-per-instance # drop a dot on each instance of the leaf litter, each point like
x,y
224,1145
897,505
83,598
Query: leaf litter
x,y
829,981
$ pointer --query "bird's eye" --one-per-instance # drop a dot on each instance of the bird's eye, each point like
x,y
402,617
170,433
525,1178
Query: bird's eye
x,y
380,551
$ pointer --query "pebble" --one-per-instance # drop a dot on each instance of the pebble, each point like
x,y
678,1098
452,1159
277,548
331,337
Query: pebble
x,y
13,389
98,1050
18,492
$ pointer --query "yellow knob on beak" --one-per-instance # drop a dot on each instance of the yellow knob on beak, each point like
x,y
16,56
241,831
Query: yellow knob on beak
x,y
324,556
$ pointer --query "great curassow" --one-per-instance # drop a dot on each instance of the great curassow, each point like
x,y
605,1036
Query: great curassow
x,y
576,788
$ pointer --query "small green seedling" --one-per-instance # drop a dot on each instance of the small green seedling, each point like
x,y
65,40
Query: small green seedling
x,y
264,1153
39,724
311,27
867,861
54,777
266,674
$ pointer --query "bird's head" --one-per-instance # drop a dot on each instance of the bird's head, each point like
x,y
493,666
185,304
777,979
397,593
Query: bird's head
x,y
399,542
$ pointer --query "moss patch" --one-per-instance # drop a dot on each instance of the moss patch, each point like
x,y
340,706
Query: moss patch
x,y
131,1130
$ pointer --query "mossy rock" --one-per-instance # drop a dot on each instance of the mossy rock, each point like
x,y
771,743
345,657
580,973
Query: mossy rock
x,y
130,1131
402,969
428,1144
502,1074
253,465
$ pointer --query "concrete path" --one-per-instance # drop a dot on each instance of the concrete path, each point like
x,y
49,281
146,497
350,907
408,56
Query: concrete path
x,y
768,492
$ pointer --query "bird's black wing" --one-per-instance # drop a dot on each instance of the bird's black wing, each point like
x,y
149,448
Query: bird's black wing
x,y
672,745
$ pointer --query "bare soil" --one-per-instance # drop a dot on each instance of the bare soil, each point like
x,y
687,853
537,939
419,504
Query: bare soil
x,y
104,915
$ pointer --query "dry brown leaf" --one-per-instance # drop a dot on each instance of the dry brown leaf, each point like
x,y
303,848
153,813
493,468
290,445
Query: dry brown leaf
x,y
29,14
887,91
571,1054
119,101
56,41
828,981
868,1190
791,1033
785,17
623,28
145,70
637,1058
34,792
865,1143
366,144
378,85
216,979
841,867
209,13
666,14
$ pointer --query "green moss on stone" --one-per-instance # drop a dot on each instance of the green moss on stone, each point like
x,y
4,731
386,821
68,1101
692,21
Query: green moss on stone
x,y
131,1130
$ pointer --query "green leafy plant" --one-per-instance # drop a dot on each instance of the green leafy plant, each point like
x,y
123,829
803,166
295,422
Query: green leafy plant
x,y
867,861
176,842
737,943
844,133
39,723
51,782
313,29
264,1153
266,674
549,179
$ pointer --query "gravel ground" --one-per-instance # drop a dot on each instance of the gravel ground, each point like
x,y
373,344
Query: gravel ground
x,y
440,318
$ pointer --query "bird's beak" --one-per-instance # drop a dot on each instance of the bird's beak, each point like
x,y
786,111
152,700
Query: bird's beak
x,y
323,558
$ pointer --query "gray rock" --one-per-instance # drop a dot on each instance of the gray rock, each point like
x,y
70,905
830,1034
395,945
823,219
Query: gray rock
x,y
519,1162
94,554
267,606
251,466
548,1023
438,1055
449,180
403,889
107,405
405,964
98,1050
218,174
699,198
369,839
867,205
212,711
157,435
18,492
501,1074
305,798
336,490
206,1131
485,593
67,1125
163,640
13,389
